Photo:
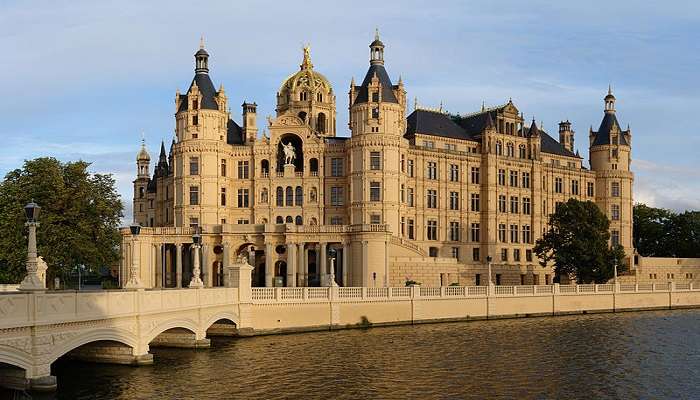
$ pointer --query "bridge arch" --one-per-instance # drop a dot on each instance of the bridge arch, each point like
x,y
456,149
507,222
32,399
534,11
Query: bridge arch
x,y
103,334
15,357
182,323
224,315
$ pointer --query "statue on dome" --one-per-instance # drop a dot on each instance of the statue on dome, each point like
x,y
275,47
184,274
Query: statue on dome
x,y
289,153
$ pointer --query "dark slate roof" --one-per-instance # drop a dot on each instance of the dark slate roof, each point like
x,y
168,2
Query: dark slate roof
x,y
151,187
434,123
387,87
475,124
603,134
234,133
206,88
551,146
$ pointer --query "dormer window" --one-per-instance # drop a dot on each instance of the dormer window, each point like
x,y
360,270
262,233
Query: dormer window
x,y
375,97
302,96
319,97
195,120
195,104
375,112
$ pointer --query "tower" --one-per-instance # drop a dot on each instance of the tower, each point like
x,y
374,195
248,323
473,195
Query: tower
x,y
566,135
610,151
143,159
250,127
377,123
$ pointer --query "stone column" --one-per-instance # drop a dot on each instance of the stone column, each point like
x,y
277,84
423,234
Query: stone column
x,y
306,266
134,271
323,258
32,281
159,265
206,268
291,264
269,268
226,260
346,263
196,281
178,265
301,266
366,279
154,265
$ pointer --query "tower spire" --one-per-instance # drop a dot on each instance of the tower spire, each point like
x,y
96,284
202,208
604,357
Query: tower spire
x,y
201,58
201,42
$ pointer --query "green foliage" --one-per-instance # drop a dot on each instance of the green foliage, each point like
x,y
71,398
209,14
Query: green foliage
x,y
663,233
577,243
411,282
79,219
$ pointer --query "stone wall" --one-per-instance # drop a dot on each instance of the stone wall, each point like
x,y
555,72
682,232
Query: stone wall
x,y
429,271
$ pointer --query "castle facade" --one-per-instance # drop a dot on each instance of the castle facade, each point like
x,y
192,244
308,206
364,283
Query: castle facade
x,y
426,197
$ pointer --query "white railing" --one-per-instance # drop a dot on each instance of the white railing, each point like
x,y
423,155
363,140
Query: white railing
x,y
301,294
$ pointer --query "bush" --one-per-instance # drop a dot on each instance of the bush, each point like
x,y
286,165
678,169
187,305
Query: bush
x,y
411,282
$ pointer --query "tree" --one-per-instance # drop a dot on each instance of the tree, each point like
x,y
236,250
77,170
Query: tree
x,y
79,219
650,227
684,234
577,243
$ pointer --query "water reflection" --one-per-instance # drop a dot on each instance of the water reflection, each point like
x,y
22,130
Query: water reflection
x,y
651,355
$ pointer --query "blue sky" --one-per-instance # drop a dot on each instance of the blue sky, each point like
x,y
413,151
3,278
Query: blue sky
x,y
83,79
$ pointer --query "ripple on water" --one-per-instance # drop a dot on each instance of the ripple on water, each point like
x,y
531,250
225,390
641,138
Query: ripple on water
x,y
651,355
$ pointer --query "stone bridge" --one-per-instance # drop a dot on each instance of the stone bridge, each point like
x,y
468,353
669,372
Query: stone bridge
x,y
36,328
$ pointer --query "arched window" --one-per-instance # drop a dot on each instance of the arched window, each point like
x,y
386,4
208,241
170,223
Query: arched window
x,y
298,220
263,196
319,97
321,123
313,221
499,148
263,221
289,219
302,116
313,165
289,201
302,96
265,166
280,196
279,219
299,196
510,149
522,151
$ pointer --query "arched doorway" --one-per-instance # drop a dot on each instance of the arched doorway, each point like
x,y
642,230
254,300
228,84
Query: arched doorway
x,y
280,274
297,143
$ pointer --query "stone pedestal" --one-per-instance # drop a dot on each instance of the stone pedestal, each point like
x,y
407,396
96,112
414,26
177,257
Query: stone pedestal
x,y
289,170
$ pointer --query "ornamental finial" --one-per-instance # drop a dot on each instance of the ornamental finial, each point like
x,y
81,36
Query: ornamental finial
x,y
201,42
376,33
306,62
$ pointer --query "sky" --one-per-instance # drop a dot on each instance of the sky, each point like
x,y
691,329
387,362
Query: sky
x,y
84,79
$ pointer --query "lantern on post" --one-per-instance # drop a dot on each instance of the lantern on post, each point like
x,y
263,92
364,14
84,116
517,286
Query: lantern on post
x,y
196,281
133,281
32,281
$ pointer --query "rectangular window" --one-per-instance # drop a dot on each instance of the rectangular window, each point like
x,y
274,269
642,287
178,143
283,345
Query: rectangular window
x,y
403,193
589,189
375,219
243,198
243,222
410,197
410,168
336,167
455,253
527,234
502,177
194,195
336,220
432,198
375,160
514,208
375,96
454,200
375,112
615,212
243,170
475,257
336,196
194,222
454,173
615,238
528,255
223,167
411,234
526,180
403,226
502,203
195,120
514,234
514,178
429,144
223,196
432,229
375,191
475,175
454,231
527,208
475,231
615,189
475,202
403,162
194,165
516,254
432,170
504,254
558,185
502,233
451,147
574,187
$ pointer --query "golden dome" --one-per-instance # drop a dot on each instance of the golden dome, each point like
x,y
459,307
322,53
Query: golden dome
x,y
306,77
143,154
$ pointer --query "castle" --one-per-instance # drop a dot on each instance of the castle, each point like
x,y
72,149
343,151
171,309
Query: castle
x,y
425,197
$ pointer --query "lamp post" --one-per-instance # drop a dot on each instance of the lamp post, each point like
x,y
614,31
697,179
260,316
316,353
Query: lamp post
x,y
488,260
133,278
32,281
331,275
196,281
615,270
